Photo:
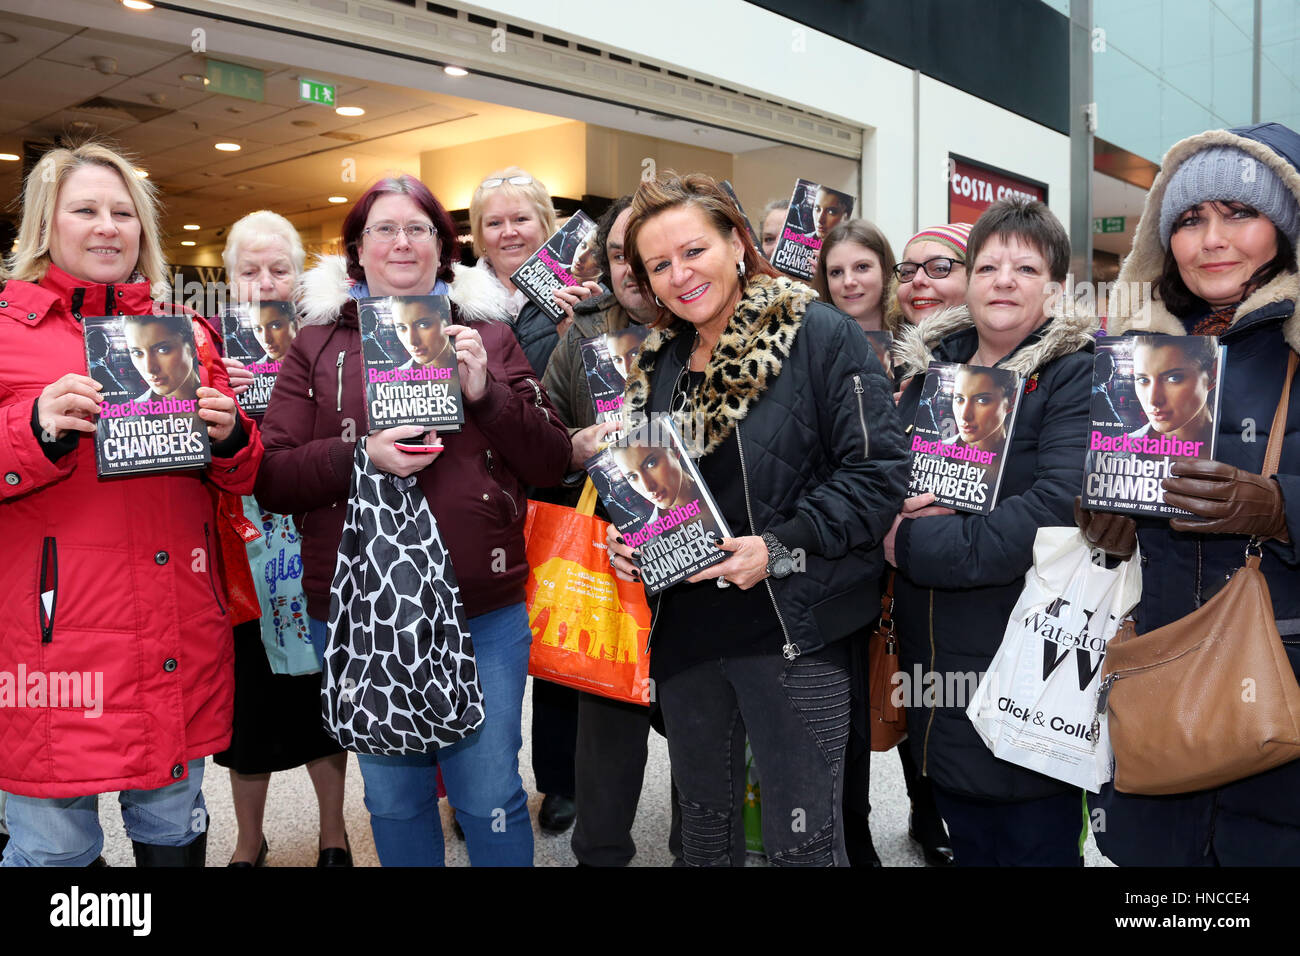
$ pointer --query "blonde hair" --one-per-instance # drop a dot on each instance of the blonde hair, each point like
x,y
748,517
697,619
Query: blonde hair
x,y
255,229
31,259
535,194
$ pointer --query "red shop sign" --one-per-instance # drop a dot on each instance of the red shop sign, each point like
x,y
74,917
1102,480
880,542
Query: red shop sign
x,y
973,187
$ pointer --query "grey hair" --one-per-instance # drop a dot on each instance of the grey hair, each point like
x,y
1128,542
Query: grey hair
x,y
256,228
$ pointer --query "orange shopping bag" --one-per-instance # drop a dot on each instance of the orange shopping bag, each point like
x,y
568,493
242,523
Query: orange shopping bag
x,y
589,628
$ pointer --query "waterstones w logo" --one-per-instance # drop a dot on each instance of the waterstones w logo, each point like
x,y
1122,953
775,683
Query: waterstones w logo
x,y
1048,624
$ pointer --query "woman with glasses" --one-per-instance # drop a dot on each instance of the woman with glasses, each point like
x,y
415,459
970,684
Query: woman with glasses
x,y
960,575
399,240
931,275
854,273
789,412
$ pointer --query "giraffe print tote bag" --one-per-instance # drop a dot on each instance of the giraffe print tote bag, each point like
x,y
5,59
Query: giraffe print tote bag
x,y
399,674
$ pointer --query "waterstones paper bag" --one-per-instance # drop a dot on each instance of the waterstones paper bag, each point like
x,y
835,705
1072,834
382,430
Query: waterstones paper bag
x,y
1036,706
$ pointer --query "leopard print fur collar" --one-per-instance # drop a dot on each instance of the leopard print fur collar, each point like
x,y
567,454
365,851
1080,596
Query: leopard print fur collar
x,y
749,355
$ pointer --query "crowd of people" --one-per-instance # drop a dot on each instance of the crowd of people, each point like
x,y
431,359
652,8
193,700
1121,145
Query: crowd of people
x,y
156,581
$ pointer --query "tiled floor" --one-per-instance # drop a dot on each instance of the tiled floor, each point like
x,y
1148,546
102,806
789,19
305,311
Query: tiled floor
x,y
291,823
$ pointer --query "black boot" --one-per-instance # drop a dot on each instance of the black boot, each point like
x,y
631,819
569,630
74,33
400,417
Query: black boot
x,y
192,854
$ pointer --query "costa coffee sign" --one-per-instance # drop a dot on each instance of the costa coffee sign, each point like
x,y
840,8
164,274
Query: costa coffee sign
x,y
973,187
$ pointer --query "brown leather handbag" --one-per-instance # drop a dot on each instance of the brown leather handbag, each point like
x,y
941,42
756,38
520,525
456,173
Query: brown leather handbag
x,y
888,723
1210,698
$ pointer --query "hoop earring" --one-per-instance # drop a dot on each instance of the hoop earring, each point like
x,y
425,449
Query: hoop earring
x,y
740,270
658,303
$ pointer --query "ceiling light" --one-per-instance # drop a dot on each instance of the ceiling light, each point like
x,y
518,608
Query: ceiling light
x,y
228,147
9,157
303,124
350,111
194,78
243,187
191,227
188,242
455,71
141,173
137,4
335,199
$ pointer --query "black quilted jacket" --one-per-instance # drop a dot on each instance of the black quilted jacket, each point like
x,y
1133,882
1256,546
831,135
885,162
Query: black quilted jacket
x,y
821,447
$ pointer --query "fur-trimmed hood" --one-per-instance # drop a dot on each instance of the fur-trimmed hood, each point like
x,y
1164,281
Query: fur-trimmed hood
x,y
749,354
324,291
1133,306
1066,333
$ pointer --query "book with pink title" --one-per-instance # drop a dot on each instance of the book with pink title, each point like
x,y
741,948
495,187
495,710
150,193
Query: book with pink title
x,y
409,363
1155,398
607,359
962,433
567,258
814,211
655,496
259,334
148,367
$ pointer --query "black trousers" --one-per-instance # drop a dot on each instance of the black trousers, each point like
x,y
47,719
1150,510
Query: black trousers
x,y
555,737
1042,832
611,758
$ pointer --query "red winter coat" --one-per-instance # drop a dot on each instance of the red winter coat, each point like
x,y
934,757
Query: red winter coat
x,y
475,488
138,601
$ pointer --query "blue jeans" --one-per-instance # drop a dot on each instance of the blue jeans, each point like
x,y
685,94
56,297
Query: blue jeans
x,y
55,831
481,772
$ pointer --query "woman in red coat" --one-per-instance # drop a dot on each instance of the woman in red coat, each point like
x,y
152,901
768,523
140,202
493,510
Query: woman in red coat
x,y
115,642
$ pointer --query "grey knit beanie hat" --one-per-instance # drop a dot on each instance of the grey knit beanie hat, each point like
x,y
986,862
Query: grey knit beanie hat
x,y
1226,172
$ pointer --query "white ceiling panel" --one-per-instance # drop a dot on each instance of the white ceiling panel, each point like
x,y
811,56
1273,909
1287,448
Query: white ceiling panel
x,y
56,85
34,37
134,55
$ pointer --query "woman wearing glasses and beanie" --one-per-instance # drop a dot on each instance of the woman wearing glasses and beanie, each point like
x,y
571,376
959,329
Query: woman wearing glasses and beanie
x,y
399,240
1216,248
790,414
931,275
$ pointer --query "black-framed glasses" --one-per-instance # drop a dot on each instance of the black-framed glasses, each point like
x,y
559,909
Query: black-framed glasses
x,y
512,180
936,267
389,231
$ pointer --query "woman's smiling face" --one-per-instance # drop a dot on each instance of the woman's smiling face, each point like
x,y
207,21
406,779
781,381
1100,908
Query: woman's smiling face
x,y
692,268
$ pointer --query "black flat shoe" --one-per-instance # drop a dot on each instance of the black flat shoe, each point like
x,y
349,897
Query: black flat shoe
x,y
935,851
260,861
336,856
557,813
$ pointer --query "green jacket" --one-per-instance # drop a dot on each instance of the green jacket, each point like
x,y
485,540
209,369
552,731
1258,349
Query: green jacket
x,y
565,379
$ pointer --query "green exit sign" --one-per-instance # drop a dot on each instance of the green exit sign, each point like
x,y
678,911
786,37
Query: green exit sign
x,y
234,80
313,91
1108,224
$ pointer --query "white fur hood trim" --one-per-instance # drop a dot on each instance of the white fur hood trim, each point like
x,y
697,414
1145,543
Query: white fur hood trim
x,y
324,292
1069,332
1133,306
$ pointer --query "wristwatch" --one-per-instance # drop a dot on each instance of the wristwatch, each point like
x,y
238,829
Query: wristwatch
x,y
779,560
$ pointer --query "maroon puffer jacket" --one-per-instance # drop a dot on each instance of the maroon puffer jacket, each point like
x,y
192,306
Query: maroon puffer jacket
x,y
476,488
